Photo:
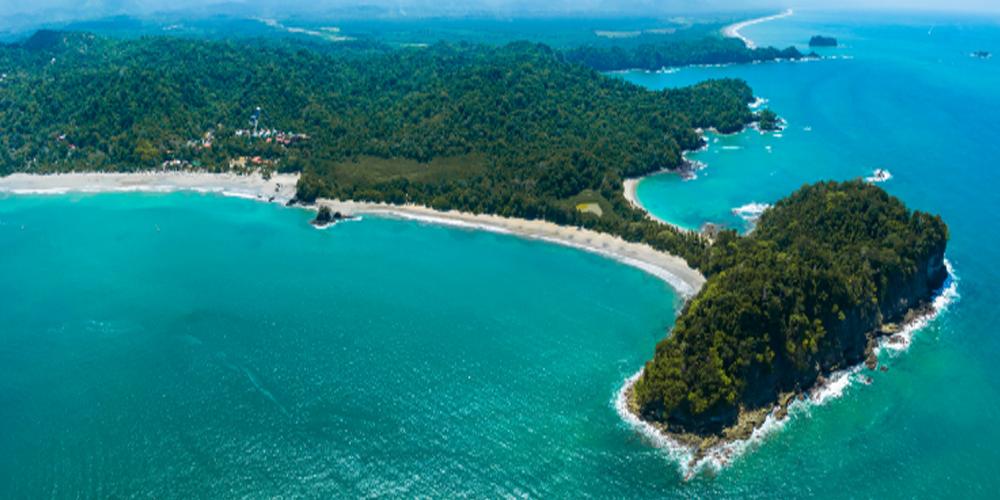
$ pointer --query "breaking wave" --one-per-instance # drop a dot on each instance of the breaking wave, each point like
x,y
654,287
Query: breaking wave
x,y
837,384
751,212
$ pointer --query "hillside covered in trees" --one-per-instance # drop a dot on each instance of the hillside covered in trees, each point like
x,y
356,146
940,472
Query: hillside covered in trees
x,y
653,57
513,130
804,294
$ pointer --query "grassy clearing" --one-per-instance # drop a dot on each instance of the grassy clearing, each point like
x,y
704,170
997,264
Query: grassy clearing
x,y
592,202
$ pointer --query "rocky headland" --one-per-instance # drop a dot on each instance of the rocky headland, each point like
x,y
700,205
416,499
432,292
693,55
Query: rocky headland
x,y
758,337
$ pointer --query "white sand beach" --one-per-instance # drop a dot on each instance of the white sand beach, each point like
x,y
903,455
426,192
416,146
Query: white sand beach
x,y
278,188
670,268
732,31
630,186
281,188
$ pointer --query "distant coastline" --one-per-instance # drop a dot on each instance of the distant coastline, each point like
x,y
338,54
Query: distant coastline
x,y
732,31
281,189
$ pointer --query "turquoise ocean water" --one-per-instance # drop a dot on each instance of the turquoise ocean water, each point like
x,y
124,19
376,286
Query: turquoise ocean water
x,y
199,346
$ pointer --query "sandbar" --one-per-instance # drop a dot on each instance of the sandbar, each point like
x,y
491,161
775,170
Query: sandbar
x,y
732,31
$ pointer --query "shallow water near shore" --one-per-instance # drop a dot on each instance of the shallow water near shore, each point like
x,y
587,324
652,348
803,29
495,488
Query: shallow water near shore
x,y
197,346
908,99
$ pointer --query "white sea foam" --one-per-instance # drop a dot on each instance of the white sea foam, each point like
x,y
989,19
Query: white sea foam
x,y
88,189
35,191
837,384
158,188
444,221
751,211
244,195
682,454
677,452
943,299
879,175
203,190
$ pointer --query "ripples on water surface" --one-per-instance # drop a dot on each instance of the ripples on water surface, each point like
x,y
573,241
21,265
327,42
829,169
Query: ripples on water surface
x,y
239,353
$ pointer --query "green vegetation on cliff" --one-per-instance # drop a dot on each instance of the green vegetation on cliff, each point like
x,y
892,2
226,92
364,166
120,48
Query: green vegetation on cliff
x,y
791,301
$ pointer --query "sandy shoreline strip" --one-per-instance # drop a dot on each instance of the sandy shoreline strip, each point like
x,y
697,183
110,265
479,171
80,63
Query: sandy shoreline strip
x,y
281,188
732,31
672,269
630,186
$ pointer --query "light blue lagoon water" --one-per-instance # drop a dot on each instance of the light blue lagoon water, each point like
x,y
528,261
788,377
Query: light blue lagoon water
x,y
197,346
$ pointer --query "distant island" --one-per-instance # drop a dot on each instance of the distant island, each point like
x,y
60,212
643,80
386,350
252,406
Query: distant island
x,y
981,53
822,41
827,271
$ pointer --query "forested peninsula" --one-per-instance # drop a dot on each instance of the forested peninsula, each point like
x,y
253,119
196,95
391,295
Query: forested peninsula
x,y
827,271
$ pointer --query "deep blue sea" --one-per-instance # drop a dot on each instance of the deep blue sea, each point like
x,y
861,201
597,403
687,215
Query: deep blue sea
x,y
199,346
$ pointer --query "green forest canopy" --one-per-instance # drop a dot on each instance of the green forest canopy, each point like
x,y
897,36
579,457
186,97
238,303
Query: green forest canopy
x,y
824,251
653,57
513,130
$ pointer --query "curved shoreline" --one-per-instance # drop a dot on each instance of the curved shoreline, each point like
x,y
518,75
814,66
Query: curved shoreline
x,y
691,458
670,268
280,188
732,31
630,187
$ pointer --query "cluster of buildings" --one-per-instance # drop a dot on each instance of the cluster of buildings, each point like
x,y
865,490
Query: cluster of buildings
x,y
62,138
179,164
204,142
278,136
253,161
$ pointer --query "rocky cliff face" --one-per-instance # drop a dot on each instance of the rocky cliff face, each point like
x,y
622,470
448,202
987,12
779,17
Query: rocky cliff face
x,y
852,337
830,268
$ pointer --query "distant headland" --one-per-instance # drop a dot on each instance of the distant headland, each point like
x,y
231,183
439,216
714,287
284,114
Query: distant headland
x,y
828,271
